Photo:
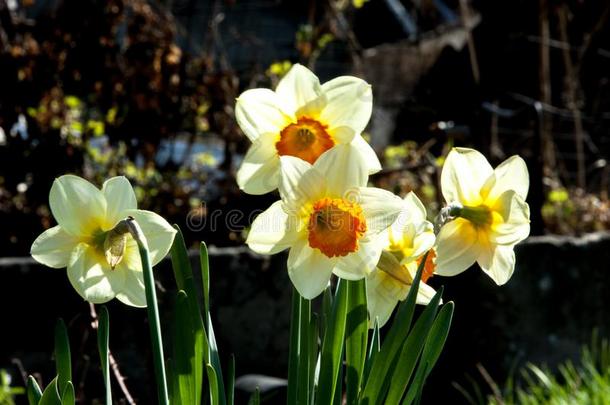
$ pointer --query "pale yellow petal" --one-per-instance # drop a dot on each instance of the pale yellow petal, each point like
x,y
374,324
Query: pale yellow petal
x,y
423,241
349,103
357,265
511,174
464,173
382,294
379,207
309,270
54,247
515,223
273,230
92,277
425,294
77,205
457,247
343,169
299,184
369,156
133,292
158,232
119,197
300,92
498,262
260,170
260,111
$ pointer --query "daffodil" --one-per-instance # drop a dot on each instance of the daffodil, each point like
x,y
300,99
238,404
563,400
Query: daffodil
x,y
490,214
91,239
304,119
328,218
408,239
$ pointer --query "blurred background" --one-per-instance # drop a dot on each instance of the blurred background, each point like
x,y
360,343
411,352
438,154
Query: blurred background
x,y
147,89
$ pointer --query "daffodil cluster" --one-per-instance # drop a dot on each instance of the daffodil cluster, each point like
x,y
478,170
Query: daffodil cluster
x,y
307,143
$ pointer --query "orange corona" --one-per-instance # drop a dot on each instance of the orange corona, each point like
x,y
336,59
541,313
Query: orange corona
x,y
307,140
429,266
335,226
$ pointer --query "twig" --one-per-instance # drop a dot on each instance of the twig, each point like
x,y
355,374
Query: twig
x,y
492,384
472,52
113,363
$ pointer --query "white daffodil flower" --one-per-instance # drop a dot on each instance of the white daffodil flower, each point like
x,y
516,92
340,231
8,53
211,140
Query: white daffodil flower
x,y
90,239
491,215
301,118
408,239
328,218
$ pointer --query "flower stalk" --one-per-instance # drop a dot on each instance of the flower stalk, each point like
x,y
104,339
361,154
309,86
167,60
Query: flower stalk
x,y
152,309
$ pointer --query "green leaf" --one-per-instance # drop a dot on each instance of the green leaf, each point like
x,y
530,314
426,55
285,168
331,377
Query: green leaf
x,y
50,396
103,336
34,393
304,354
356,338
68,397
255,399
231,381
332,347
183,345
213,380
314,355
183,274
432,350
392,344
63,363
411,350
373,351
213,358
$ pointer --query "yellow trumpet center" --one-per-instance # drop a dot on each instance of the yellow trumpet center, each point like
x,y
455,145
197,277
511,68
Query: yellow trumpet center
x,y
307,139
335,226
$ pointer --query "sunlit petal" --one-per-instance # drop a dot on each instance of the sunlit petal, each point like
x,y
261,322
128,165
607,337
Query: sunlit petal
x,y
260,111
54,247
119,197
349,103
498,263
464,173
309,270
273,230
456,248
158,232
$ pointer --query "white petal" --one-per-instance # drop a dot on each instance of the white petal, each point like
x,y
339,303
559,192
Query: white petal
x,y
300,91
360,263
415,209
92,277
309,270
368,154
273,230
299,183
343,168
382,294
511,174
53,247
119,197
77,205
133,292
380,208
260,171
423,242
259,111
158,232
425,294
456,247
498,263
515,224
349,103
464,173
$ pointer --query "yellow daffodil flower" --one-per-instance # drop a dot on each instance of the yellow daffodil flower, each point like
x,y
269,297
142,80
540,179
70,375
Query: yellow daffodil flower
x,y
91,240
328,219
301,118
490,211
408,239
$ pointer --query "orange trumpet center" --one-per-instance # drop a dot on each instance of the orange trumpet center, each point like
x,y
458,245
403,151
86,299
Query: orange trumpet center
x,y
307,139
335,225
429,265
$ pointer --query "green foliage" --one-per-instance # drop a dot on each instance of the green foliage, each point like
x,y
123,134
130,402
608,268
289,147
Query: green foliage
x,y
7,392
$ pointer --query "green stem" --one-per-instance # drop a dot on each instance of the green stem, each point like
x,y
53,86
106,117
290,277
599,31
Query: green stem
x,y
153,311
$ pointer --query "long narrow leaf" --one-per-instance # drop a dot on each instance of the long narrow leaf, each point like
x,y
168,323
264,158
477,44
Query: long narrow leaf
x,y
411,350
231,381
183,353
304,354
332,347
68,397
392,344
356,338
50,395
373,351
432,351
63,362
103,336
213,380
255,399
34,393
293,350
